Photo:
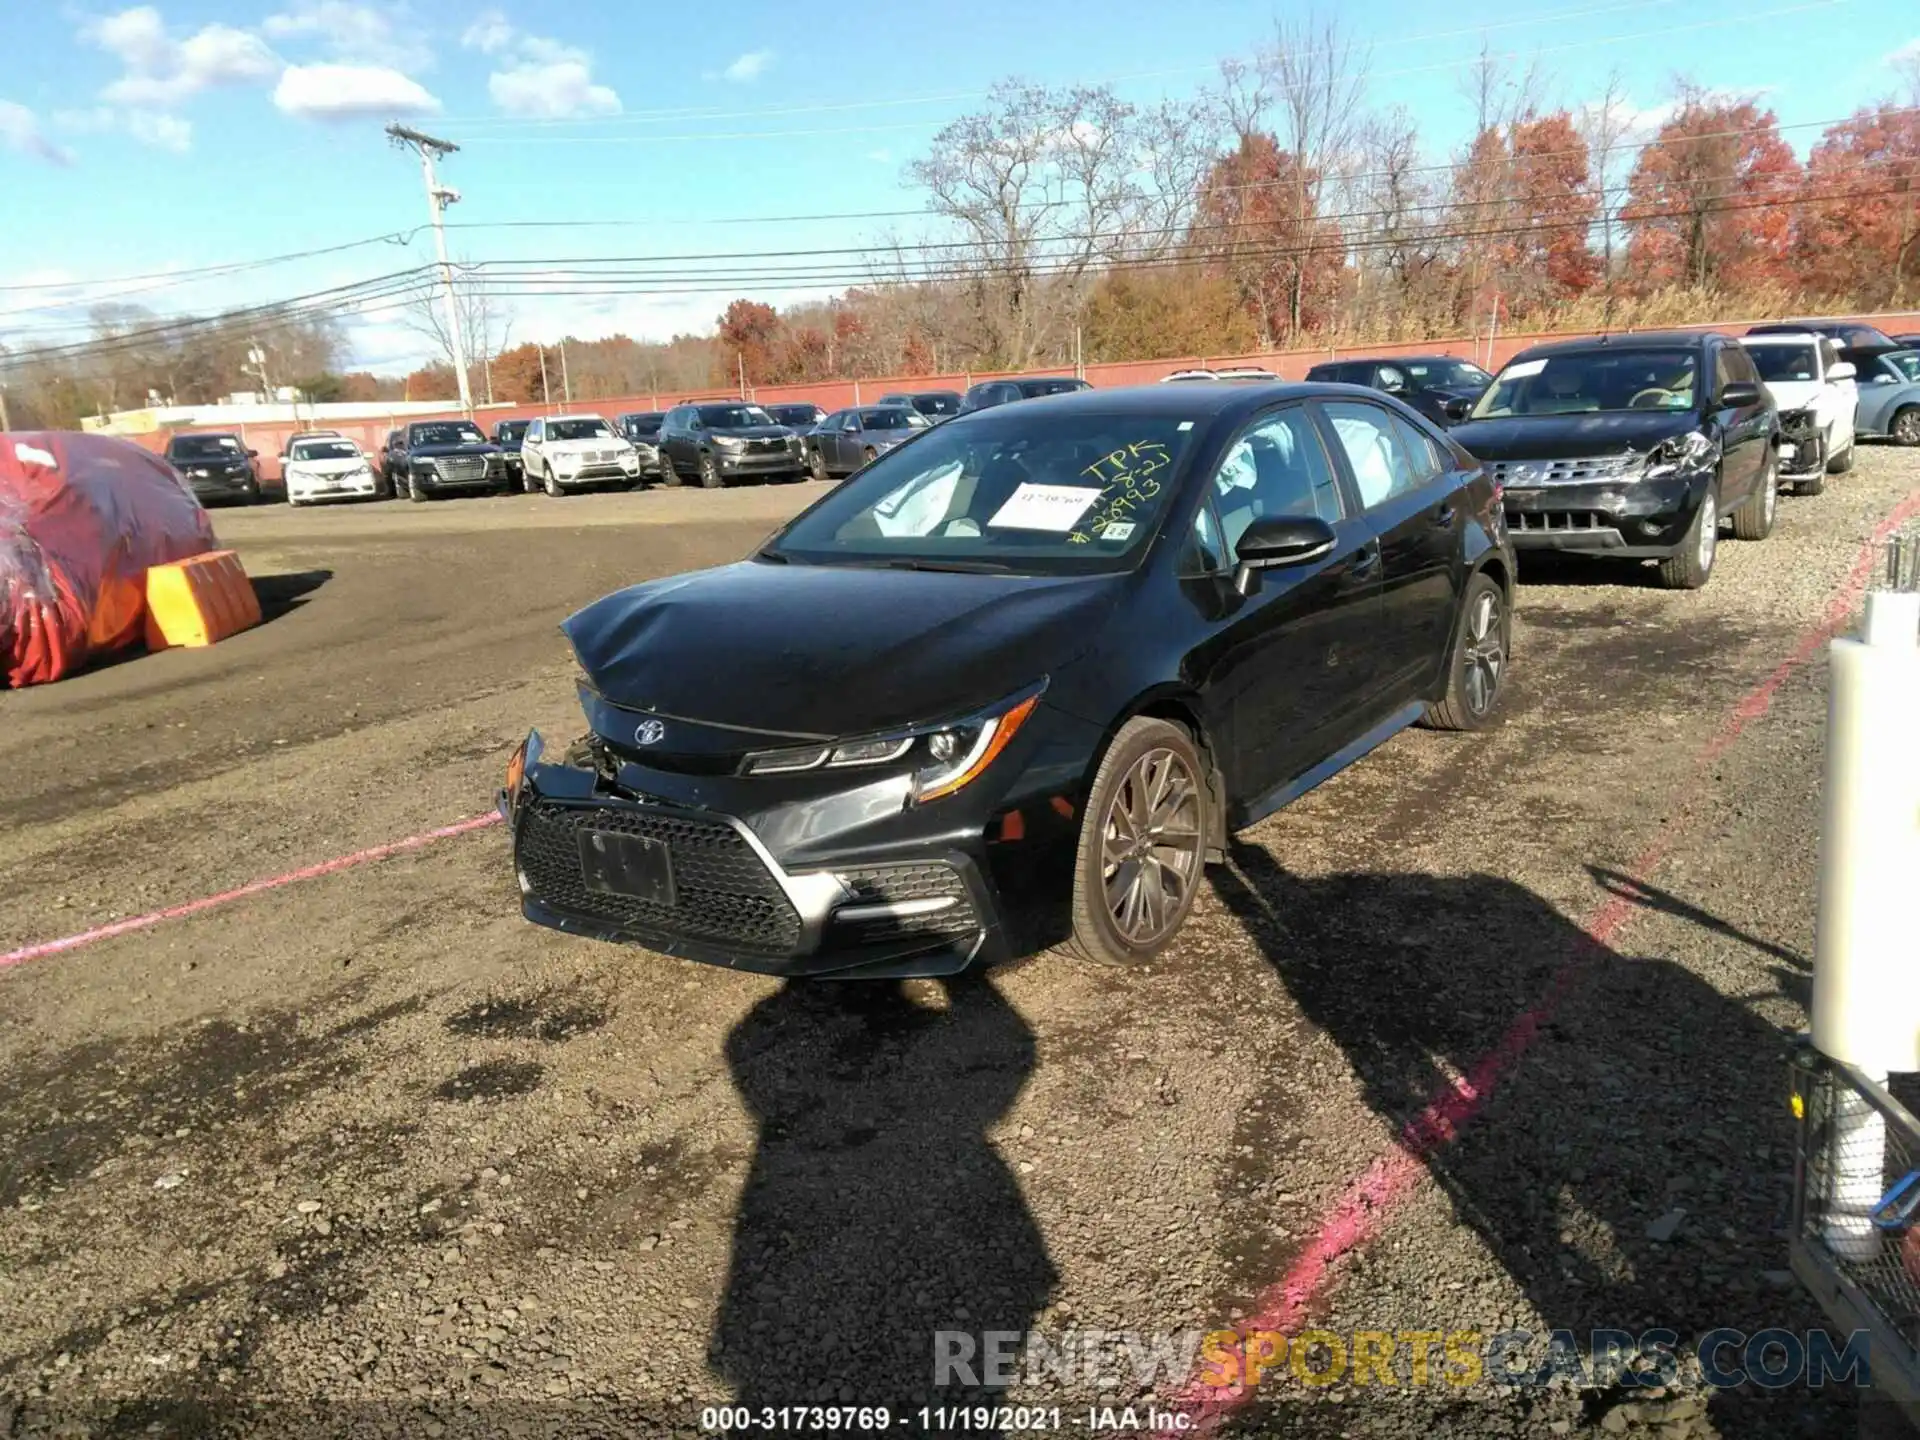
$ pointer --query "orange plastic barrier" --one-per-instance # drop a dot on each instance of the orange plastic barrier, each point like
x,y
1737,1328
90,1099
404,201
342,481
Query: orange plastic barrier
x,y
199,601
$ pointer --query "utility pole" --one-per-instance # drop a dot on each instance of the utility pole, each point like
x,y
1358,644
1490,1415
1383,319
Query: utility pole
x,y
546,391
566,385
741,357
438,198
257,363
5,423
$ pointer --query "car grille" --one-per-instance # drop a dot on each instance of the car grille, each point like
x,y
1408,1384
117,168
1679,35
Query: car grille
x,y
765,447
892,884
1540,522
724,893
460,468
1574,470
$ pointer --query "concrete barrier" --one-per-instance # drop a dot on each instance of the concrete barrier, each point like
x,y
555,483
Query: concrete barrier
x,y
199,601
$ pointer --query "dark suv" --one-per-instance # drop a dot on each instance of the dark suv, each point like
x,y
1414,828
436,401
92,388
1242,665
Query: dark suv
x,y
439,457
722,442
1440,387
989,393
508,434
1634,446
641,429
216,467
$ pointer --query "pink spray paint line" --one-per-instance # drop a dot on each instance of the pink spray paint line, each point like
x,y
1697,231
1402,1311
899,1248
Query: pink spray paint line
x,y
253,887
1365,1206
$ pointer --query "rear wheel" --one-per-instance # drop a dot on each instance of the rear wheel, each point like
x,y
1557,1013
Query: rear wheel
x,y
1479,670
1754,520
710,473
867,455
669,472
1691,566
1143,840
1905,427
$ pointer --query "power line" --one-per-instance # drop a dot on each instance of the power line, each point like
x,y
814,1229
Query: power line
x,y
227,267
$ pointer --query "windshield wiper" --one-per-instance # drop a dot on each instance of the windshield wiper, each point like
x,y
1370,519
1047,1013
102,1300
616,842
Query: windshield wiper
x,y
767,553
958,567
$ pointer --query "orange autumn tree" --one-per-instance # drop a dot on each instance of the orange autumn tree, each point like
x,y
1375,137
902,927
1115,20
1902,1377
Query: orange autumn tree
x,y
1709,202
1524,210
1254,223
1859,228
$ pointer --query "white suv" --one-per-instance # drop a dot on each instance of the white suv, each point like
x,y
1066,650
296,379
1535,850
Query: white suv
x,y
560,452
1817,398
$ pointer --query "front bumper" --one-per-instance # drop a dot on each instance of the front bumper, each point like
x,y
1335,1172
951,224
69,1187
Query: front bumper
x,y
1630,518
597,474
768,462
1803,446
832,876
357,487
223,487
440,480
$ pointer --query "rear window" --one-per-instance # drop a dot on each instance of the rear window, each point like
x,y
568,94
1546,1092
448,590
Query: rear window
x,y
204,447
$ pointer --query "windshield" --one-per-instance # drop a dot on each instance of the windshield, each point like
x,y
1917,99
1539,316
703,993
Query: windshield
x,y
512,429
641,424
937,404
1583,383
204,447
448,434
898,417
1034,388
326,450
1449,374
578,430
733,417
1785,362
1071,495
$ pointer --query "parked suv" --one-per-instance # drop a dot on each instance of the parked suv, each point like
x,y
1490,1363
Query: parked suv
x,y
216,467
720,443
564,452
508,434
441,457
989,393
1634,446
1858,343
1818,401
1440,387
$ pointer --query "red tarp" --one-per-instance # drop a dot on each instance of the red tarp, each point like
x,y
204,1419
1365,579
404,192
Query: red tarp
x,y
81,519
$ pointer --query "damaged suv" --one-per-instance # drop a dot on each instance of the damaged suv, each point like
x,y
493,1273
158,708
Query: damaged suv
x,y
1819,403
1631,446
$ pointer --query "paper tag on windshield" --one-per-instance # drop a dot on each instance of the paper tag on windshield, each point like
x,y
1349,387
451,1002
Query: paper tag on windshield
x,y
1044,507
1118,530
1523,369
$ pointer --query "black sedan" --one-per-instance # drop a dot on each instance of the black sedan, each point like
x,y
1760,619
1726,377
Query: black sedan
x,y
1632,446
509,435
216,467
1014,684
1440,387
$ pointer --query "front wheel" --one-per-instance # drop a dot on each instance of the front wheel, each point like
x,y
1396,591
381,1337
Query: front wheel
x,y
1843,462
710,473
1754,520
867,455
1143,844
416,492
817,464
1479,671
1905,427
553,485
1691,566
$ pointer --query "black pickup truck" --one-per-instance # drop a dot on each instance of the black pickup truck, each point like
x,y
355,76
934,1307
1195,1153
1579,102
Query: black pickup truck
x,y
442,457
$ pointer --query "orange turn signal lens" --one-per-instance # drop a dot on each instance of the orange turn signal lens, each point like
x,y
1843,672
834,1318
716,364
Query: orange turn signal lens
x,y
998,737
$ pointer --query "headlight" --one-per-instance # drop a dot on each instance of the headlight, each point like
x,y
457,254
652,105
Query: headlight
x,y
793,442
945,758
728,442
1691,451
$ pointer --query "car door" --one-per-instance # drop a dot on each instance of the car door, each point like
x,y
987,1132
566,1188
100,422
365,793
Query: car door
x,y
531,442
1411,501
1745,430
1289,676
846,443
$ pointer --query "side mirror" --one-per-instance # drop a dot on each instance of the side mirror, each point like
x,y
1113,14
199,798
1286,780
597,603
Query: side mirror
x,y
1457,410
1277,541
253,454
1738,394
1842,371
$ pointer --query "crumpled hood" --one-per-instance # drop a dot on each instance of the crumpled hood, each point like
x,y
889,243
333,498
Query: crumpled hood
x,y
1794,394
825,650
1562,437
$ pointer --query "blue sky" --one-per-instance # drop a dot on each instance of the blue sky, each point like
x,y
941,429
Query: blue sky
x,y
140,141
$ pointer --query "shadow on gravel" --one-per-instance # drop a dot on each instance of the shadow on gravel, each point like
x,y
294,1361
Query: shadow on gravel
x,y
1645,1096
280,593
876,1211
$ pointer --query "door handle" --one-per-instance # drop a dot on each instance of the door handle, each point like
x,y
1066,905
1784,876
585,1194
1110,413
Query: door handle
x,y
1367,561
1443,517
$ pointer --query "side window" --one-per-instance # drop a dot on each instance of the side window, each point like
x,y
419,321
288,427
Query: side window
x,y
1278,467
1741,364
1422,453
1722,369
1205,555
1381,467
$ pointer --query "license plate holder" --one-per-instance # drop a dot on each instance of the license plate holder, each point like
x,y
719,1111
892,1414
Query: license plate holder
x,y
633,867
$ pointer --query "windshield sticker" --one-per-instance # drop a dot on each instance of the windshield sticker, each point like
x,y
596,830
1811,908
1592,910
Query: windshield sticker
x,y
1522,370
1184,426
1043,507
1127,477
1122,530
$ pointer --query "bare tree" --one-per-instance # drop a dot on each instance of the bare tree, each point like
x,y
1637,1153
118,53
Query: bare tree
x,y
1605,125
486,323
1318,79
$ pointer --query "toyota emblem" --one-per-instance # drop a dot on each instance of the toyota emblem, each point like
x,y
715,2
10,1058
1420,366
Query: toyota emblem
x,y
649,732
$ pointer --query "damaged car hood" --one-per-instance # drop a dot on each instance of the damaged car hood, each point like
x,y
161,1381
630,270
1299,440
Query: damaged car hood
x,y
829,650
1566,437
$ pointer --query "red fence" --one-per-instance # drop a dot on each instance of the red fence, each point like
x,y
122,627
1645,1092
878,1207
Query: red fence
x,y
269,438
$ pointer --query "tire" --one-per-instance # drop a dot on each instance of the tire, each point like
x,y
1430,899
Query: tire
x,y
817,465
868,455
1754,520
1691,566
551,485
710,475
1145,752
1477,668
1812,485
669,472
1904,428
415,492
1843,462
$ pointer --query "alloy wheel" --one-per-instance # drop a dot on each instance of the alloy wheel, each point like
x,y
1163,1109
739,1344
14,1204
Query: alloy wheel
x,y
1151,847
1484,655
1769,494
1906,427
1709,531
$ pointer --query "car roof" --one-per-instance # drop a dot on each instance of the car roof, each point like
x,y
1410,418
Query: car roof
x,y
1625,340
583,416
204,435
1398,360
1206,398
1784,337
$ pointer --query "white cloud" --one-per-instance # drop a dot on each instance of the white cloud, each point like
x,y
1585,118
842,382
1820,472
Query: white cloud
x,y
162,72
346,92
160,130
1905,54
543,79
353,32
20,132
748,67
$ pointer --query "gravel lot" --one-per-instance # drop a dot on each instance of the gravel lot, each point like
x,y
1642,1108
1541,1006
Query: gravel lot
x,y
369,1155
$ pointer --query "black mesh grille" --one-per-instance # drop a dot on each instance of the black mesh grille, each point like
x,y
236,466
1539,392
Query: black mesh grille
x,y
724,894
1533,522
891,884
